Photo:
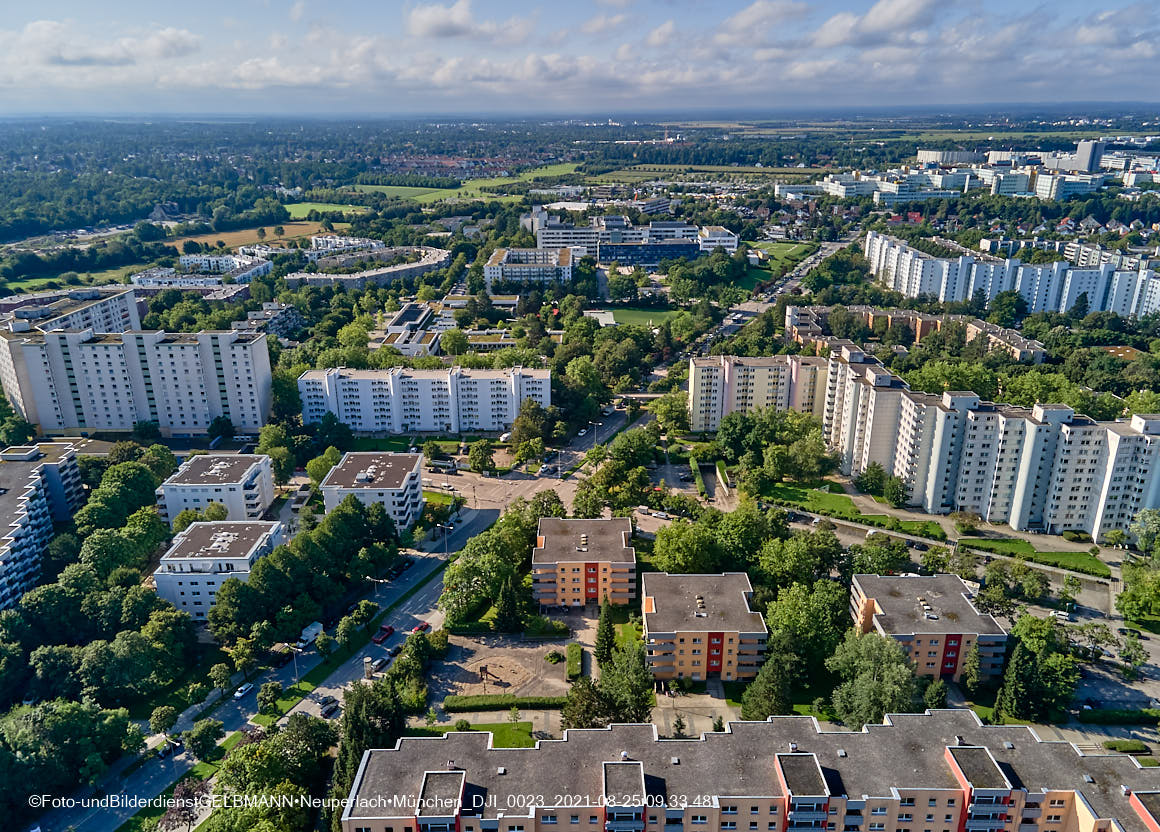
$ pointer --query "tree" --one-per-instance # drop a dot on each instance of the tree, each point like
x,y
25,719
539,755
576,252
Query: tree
x,y
202,738
671,411
432,450
1146,529
1133,654
935,695
935,560
585,706
431,717
877,679
163,718
627,684
188,796
684,547
529,451
320,466
769,693
282,462
971,673
814,617
453,342
268,695
532,422
605,634
679,726
220,675
1018,697
872,479
507,609
718,724
221,428
325,644
1069,592
347,631
244,656
896,491
481,456
514,715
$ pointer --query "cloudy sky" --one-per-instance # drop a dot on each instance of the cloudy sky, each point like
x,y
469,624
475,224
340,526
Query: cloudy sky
x,y
568,56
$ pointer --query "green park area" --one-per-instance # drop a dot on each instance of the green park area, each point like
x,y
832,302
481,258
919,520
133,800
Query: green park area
x,y
504,734
300,210
1075,561
629,316
471,188
829,498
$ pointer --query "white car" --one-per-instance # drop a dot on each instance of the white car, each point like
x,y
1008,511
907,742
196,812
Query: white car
x,y
241,692
582,432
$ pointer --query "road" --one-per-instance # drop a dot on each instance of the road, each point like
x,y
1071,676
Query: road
x,y
155,776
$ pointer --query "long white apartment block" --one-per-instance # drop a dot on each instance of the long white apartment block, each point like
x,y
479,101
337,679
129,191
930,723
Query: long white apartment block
x,y
402,400
83,380
1051,287
243,483
1042,468
104,309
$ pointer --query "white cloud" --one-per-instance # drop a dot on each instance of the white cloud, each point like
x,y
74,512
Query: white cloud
x,y
298,10
661,35
602,23
754,21
457,21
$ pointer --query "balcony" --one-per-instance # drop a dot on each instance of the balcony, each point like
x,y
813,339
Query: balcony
x,y
807,814
978,824
624,825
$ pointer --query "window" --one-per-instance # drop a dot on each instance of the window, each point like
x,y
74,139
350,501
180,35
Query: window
x,y
728,824
932,802
773,809
1056,803
772,826
878,810
1053,818
548,819
950,801
698,820
753,810
728,810
753,824
592,819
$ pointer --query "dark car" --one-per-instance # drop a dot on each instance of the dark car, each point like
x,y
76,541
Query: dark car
x,y
919,547
394,651
408,563
327,700
330,710
378,664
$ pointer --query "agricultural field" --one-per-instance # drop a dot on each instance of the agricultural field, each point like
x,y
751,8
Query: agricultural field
x,y
248,236
299,210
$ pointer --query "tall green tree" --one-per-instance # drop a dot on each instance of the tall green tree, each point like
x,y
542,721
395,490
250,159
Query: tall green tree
x,y
507,608
605,634
877,679
769,693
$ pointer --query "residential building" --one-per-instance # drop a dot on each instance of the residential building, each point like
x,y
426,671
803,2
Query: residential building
x,y
203,556
721,384
942,770
933,618
949,157
241,268
577,562
39,485
402,400
417,260
528,265
393,480
276,318
165,277
66,381
243,483
101,308
701,626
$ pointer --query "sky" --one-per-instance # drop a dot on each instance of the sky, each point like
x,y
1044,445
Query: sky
x,y
568,57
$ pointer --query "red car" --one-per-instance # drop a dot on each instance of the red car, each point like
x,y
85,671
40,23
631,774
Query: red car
x,y
384,633
421,626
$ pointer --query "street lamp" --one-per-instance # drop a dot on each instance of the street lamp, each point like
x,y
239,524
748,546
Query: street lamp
x,y
446,531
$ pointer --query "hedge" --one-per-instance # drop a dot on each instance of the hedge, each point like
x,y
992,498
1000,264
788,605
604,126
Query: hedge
x,y
1120,716
723,473
500,702
695,467
1127,746
575,666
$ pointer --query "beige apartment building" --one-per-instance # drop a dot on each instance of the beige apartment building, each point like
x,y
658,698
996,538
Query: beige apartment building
x,y
934,619
942,771
578,561
701,627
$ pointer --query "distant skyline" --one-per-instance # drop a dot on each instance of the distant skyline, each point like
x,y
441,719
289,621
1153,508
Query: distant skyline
x,y
351,57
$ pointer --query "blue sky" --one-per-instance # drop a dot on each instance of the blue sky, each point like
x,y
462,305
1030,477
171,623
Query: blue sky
x,y
569,56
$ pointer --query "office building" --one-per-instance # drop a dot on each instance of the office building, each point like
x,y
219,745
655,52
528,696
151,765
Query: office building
x,y
203,556
393,480
649,254
103,309
615,238
243,483
577,562
942,771
82,380
402,400
39,485
701,626
528,265
712,237
949,157
934,619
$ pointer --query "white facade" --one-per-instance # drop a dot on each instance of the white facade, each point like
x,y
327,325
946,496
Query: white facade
x,y
402,400
529,265
80,380
203,556
393,480
713,237
243,483
102,309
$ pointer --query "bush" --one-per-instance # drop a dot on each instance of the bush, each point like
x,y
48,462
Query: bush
x,y
1127,746
1077,537
1120,716
540,625
462,725
575,661
722,472
500,702
554,657
438,642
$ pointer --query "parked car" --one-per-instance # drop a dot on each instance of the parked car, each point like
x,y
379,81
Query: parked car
x,y
919,547
384,633
330,710
582,432
327,700
378,664
394,651
241,692
421,627
408,563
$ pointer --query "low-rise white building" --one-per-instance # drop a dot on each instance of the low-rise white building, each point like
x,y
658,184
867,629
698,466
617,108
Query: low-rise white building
x,y
713,237
528,265
203,556
394,480
243,483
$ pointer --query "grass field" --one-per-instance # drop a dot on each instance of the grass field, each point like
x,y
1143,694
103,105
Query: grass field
x,y
1076,561
34,284
248,236
641,173
642,317
504,734
838,504
299,210
401,191
471,188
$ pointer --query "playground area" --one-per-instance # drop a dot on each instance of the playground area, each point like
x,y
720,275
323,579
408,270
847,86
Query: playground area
x,y
498,664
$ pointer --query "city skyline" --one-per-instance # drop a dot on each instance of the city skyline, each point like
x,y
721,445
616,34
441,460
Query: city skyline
x,y
468,56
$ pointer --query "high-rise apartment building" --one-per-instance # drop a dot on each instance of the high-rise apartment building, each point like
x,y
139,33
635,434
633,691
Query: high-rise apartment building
x,y
942,771
577,562
243,483
701,626
722,384
83,380
101,308
402,400
395,481
39,485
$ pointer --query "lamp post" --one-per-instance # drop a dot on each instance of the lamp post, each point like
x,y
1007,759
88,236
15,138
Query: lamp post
x,y
446,531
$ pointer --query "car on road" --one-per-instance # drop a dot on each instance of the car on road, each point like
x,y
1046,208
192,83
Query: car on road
x,y
408,562
582,432
326,700
421,627
394,651
384,633
241,692
330,710
170,746
378,664
660,515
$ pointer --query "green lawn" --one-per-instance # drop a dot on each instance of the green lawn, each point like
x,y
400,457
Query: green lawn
x,y
401,191
299,210
504,734
471,188
838,504
643,317
396,444
35,284
1075,561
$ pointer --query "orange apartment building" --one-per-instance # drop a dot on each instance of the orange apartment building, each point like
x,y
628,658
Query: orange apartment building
x,y
701,627
578,562
942,771
934,619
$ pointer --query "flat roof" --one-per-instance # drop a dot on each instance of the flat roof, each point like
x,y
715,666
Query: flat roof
x,y
674,603
224,539
214,469
900,599
624,783
372,469
441,793
802,774
979,767
15,475
560,539
908,752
